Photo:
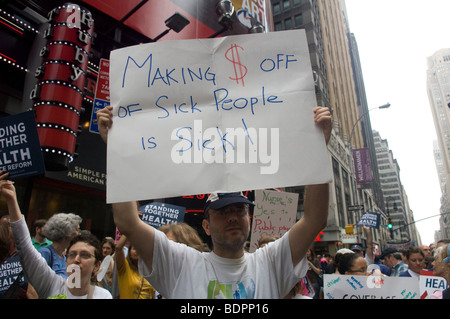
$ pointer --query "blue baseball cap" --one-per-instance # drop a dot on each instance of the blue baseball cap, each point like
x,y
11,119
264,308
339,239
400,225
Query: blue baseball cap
x,y
220,200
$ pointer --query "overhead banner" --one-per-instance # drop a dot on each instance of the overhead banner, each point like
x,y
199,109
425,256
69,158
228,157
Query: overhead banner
x,y
274,214
20,151
363,168
213,115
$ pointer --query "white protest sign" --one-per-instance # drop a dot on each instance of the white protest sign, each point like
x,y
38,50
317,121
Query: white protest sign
x,y
274,214
213,115
370,287
430,284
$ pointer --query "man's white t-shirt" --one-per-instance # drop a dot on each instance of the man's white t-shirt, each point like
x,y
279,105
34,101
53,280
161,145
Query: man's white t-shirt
x,y
179,272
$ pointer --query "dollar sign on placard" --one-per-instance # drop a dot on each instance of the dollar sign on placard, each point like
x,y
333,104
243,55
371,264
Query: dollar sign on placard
x,y
240,71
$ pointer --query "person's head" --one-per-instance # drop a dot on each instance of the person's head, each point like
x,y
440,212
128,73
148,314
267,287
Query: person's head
x,y
357,249
62,226
133,258
36,228
391,257
227,220
352,264
338,256
310,254
416,259
108,246
327,256
441,263
426,250
442,242
184,234
85,251
265,240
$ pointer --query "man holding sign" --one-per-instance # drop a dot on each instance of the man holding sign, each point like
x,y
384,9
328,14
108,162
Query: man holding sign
x,y
217,116
178,271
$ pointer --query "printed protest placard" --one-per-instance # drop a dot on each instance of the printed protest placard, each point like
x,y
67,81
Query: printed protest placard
x,y
370,287
157,214
274,214
213,115
20,150
431,285
370,219
9,270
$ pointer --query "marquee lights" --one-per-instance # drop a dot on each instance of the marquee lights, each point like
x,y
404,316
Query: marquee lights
x,y
16,23
56,103
12,62
59,92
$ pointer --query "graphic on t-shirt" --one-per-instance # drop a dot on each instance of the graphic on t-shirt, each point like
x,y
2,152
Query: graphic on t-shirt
x,y
241,290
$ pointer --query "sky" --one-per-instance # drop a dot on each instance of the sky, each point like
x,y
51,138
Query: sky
x,y
395,38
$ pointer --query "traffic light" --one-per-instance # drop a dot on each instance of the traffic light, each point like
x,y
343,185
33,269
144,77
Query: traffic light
x,y
389,223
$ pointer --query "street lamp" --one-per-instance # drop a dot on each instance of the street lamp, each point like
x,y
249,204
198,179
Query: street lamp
x,y
354,200
385,106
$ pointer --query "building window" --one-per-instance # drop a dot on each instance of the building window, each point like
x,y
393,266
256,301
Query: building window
x,y
276,8
286,5
298,20
297,2
278,26
288,24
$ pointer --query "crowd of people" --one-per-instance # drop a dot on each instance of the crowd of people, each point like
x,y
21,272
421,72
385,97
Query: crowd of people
x,y
53,251
391,263
59,261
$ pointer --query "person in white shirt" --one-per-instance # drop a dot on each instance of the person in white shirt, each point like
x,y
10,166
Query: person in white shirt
x,y
83,258
178,271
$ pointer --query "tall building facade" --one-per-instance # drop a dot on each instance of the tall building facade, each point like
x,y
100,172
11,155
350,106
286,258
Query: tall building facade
x,y
339,85
438,88
397,207
445,205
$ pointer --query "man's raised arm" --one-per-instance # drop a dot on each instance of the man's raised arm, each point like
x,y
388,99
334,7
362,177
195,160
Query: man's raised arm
x,y
126,215
303,233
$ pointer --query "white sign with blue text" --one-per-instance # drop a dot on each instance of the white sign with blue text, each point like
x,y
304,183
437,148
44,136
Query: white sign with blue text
x,y
370,287
206,115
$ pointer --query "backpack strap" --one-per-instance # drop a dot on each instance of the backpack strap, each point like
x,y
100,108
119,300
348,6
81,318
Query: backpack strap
x,y
50,250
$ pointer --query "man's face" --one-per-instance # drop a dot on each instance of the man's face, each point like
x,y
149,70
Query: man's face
x,y
228,227
83,255
390,261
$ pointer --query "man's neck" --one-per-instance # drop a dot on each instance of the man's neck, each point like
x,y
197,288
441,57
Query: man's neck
x,y
227,253
39,239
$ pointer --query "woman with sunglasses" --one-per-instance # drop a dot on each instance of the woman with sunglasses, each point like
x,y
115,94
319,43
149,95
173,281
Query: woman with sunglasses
x,y
83,258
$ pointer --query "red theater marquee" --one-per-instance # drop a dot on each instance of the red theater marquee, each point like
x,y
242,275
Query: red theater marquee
x,y
58,94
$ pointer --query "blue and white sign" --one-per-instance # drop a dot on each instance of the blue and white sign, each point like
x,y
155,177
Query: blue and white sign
x,y
157,214
98,105
370,219
20,150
